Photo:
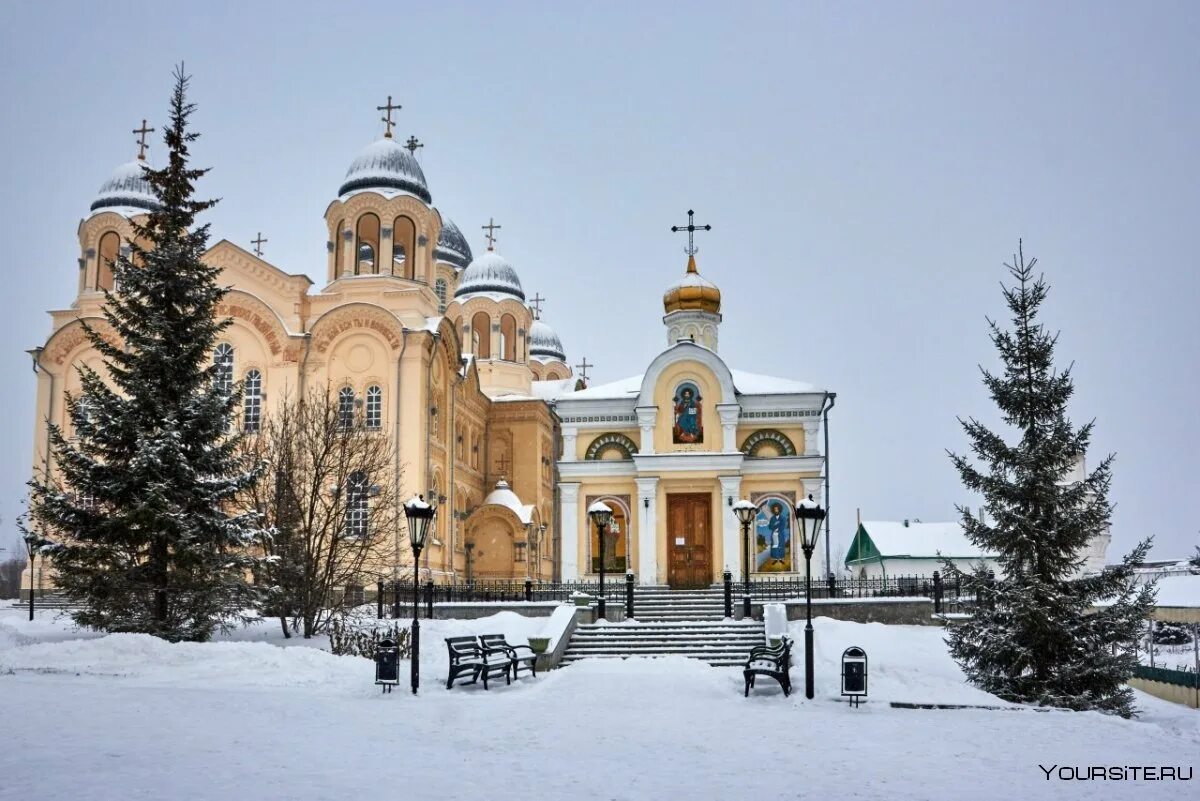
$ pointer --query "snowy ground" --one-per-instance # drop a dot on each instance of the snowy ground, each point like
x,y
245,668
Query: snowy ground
x,y
129,717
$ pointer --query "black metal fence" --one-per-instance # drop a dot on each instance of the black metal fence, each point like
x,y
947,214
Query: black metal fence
x,y
393,598
948,595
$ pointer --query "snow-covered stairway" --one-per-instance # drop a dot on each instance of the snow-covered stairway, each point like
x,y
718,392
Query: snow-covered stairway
x,y
670,622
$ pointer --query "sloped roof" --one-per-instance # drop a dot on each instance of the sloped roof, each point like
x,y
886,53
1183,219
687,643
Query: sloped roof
x,y
929,540
503,496
745,383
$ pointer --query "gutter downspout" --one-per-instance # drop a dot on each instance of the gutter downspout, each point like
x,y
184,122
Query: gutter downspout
x,y
451,491
399,499
826,405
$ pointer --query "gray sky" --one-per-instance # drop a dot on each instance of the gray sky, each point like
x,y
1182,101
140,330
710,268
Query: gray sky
x,y
866,169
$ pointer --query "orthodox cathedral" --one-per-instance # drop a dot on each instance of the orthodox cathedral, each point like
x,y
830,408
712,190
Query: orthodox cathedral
x,y
443,352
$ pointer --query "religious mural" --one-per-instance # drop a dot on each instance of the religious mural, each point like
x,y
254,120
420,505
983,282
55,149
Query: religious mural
x,y
773,529
689,425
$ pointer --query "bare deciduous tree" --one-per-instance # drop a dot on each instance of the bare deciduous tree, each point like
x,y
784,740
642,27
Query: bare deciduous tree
x,y
331,513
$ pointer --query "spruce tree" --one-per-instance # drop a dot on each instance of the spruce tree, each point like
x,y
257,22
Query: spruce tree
x,y
139,511
1042,633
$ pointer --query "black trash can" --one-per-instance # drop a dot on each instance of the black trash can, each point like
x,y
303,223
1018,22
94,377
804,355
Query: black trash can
x,y
387,665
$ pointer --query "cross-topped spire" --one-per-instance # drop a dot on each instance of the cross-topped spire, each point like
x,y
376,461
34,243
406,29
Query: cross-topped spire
x,y
141,132
691,229
491,229
258,243
387,118
412,144
582,367
536,304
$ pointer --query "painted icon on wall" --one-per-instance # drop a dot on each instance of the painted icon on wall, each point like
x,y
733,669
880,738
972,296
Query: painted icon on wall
x,y
773,537
688,426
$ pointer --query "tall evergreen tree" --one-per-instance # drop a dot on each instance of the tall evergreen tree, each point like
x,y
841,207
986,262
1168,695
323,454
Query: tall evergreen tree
x,y
1042,633
139,511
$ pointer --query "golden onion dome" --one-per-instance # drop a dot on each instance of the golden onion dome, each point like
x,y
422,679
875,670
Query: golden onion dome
x,y
692,292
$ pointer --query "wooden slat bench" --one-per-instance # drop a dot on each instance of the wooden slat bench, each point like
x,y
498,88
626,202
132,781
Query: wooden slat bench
x,y
496,642
767,661
468,657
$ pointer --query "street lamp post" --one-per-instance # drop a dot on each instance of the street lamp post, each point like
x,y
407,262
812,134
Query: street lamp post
x,y
31,542
601,515
420,514
746,513
810,514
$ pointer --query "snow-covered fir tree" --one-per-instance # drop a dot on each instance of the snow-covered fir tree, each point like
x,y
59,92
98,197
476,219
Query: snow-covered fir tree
x,y
1043,634
143,539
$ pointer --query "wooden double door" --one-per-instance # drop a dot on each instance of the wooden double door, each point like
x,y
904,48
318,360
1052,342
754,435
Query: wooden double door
x,y
689,540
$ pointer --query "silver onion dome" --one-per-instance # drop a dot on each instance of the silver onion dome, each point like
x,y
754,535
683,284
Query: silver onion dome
x,y
452,247
490,273
544,344
126,188
386,164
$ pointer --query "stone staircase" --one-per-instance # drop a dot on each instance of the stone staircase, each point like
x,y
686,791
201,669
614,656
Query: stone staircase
x,y
668,622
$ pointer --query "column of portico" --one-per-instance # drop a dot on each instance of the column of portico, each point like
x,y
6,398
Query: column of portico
x,y
647,502
731,542
647,416
729,413
569,523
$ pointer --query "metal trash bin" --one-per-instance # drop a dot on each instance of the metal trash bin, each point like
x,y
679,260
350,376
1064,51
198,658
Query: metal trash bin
x,y
854,674
387,665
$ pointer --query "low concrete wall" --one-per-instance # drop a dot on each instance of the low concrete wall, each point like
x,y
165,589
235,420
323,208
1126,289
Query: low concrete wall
x,y
551,660
895,611
1168,692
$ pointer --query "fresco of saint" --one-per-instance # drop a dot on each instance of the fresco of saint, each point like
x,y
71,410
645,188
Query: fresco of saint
x,y
688,426
773,537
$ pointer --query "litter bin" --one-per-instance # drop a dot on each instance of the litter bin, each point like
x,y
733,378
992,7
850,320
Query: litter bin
x,y
854,674
387,665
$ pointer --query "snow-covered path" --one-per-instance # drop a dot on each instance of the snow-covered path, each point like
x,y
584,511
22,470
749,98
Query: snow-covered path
x,y
199,722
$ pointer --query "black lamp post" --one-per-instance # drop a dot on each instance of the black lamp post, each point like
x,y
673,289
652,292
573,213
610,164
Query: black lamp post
x,y
601,515
810,514
420,515
746,512
31,542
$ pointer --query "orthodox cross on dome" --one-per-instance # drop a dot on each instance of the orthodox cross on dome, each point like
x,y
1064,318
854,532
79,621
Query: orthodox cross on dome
x,y
536,304
258,243
491,229
141,132
691,229
583,368
412,144
387,118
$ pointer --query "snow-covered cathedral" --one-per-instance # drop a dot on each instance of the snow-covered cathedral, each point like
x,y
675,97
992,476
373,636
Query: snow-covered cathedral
x,y
443,352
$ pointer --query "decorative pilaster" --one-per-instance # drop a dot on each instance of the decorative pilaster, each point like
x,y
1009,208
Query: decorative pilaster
x,y
647,501
731,544
812,442
647,417
569,536
729,413
569,435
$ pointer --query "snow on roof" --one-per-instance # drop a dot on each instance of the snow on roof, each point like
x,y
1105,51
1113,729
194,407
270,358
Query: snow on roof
x,y
1179,591
893,538
624,388
503,496
552,390
755,384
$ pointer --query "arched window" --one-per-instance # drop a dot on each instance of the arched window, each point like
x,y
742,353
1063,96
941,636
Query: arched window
x,y
110,248
508,338
223,361
439,289
481,329
345,407
356,504
366,249
339,247
374,416
553,376
404,234
252,401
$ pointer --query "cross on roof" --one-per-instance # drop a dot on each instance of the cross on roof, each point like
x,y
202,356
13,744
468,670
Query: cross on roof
x,y
258,243
141,132
387,119
536,304
504,463
412,144
691,229
583,368
491,229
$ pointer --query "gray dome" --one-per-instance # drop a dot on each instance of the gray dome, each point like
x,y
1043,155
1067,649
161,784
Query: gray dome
x,y
126,188
490,273
452,247
544,344
386,164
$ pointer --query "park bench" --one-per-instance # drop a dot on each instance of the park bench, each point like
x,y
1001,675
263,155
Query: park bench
x,y
770,661
469,657
517,659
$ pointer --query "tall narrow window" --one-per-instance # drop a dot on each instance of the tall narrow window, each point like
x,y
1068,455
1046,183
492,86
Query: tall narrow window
x,y
110,248
345,407
404,234
252,401
374,417
356,504
439,289
223,360
367,247
508,338
481,326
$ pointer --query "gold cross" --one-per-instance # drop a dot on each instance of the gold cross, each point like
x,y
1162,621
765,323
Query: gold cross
x,y
491,229
536,303
258,243
412,144
583,368
387,120
141,132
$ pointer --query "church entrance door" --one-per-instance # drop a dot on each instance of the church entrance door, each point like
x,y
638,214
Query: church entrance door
x,y
689,540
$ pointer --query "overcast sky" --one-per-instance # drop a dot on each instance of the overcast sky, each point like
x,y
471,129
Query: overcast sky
x,y
866,169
